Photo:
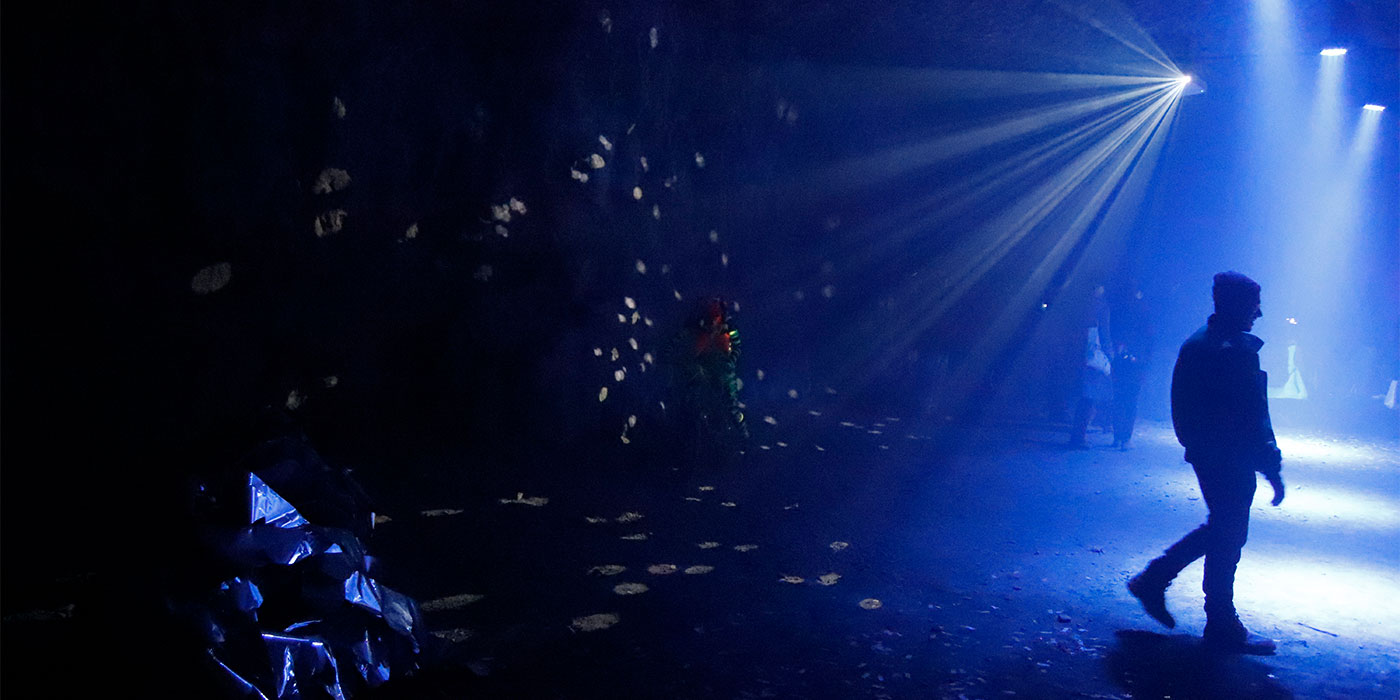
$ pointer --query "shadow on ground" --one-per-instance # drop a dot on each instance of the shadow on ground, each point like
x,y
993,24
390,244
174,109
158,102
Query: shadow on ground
x,y
1152,665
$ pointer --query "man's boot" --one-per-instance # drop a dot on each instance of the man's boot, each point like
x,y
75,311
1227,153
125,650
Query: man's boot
x,y
1226,634
1150,588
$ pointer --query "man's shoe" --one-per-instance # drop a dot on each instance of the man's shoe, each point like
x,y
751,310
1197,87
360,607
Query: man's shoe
x,y
1153,599
1229,636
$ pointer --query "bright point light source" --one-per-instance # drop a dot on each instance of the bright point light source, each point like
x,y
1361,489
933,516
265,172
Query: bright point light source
x,y
1183,80
1334,52
1374,108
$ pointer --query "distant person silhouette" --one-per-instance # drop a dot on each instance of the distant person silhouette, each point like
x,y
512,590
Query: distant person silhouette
x,y
1095,372
1221,417
1133,336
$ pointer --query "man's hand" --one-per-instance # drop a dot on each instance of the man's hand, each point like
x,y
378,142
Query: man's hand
x,y
1276,481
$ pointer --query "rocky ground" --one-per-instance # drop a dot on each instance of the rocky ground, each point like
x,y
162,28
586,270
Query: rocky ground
x,y
848,558
844,556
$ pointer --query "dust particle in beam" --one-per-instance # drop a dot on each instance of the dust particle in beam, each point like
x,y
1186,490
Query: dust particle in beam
x,y
412,231
329,222
456,635
520,499
661,569
338,108
451,602
602,394
607,570
699,569
654,36
593,623
330,180
596,161
212,278
607,145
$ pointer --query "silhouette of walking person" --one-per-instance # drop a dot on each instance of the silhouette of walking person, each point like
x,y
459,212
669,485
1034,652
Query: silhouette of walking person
x,y
1221,417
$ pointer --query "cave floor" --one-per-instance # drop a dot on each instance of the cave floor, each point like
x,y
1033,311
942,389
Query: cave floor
x,y
848,558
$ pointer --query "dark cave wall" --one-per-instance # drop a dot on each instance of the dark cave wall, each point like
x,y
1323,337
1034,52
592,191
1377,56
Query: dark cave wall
x,y
166,281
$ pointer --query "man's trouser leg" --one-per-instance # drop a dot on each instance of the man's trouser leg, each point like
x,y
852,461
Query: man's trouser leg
x,y
1228,491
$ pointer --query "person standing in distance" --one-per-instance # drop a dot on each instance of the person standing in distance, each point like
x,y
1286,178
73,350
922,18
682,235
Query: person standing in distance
x,y
1221,416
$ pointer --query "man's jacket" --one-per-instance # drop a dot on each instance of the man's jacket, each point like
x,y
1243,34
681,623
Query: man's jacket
x,y
1220,407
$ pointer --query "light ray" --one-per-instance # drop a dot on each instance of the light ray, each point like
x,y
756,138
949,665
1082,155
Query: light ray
x,y
1019,221
1132,170
1140,135
976,188
895,162
1125,30
942,84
